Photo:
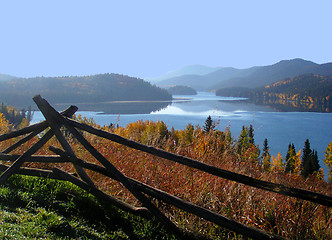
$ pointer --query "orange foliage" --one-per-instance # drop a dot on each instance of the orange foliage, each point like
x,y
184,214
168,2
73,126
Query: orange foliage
x,y
285,216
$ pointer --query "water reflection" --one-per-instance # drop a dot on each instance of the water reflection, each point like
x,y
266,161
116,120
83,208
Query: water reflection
x,y
121,107
283,105
203,103
209,104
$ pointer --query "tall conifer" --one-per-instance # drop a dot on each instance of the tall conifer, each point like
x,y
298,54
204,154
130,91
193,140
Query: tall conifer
x,y
307,162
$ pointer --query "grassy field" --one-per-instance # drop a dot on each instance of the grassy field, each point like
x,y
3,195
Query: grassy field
x,y
36,208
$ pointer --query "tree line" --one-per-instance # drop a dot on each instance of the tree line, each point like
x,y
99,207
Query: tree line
x,y
308,91
303,162
17,118
80,89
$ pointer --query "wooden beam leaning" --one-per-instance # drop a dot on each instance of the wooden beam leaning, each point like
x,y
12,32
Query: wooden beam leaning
x,y
123,179
53,118
180,203
36,127
18,163
33,172
268,186
50,174
33,158
23,140
100,194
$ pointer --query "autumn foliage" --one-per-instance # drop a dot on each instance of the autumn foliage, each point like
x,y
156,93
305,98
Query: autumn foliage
x,y
285,216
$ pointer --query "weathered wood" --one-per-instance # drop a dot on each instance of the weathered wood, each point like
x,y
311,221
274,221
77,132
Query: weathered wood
x,y
36,127
272,187
33,158
123,179
53,118
18,163
50,174
101,195
178,202
138,189
23,140
33,172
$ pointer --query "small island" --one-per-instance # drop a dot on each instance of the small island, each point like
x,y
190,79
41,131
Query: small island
x,y
182,90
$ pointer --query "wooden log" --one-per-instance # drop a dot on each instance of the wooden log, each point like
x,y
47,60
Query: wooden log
x,y
178,202
18,163
123,179
53,118
33,158
101,195
23,140
268,186
33,172
140,211
36,127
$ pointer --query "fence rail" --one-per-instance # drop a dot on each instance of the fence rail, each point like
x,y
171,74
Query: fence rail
x,y
54,121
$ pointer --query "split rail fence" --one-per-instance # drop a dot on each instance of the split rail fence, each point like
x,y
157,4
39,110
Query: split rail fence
x,y
55,120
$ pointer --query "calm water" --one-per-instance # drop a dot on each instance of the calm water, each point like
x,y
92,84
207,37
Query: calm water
x,y
280,128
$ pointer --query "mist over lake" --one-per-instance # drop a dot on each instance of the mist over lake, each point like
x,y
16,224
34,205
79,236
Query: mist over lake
x,y
280,128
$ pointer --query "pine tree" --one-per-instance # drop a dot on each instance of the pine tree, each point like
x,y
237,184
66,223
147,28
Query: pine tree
x,y
266,158
251,134
266,147
315,161
209,125
243,141
307,161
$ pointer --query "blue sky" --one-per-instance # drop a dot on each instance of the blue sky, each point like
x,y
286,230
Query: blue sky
x,y
149,38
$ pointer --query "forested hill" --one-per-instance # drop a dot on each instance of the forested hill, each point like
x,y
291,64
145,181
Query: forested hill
x,y
313,92
73,89
308,85
308,91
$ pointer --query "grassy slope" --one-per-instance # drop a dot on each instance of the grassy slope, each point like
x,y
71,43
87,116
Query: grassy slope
x,y
36,208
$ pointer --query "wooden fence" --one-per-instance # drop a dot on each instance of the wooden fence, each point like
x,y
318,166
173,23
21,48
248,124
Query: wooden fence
x,y
55,120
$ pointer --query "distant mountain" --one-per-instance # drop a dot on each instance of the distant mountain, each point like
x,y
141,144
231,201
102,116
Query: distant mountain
x,y
323,69
87,89
187,70
5,77
207,81
248,78
272,73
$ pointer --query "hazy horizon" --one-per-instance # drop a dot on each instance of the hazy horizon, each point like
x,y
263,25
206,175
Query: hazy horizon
x,y
147,39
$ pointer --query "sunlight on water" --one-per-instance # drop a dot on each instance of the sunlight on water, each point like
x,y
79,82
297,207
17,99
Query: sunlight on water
x,y
173,110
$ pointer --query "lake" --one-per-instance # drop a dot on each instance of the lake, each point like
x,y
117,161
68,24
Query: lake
x,y
280,128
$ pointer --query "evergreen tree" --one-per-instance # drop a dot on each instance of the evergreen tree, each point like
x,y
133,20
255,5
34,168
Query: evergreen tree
x,y
209,124
307,160
243,141
266,147
315,161
266,158
251,134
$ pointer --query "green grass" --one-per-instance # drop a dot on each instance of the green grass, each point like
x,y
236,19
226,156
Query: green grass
x,y
38,208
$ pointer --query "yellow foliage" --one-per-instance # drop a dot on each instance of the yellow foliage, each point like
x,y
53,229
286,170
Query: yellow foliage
x,y
277,162
297,163
328,159
4,124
